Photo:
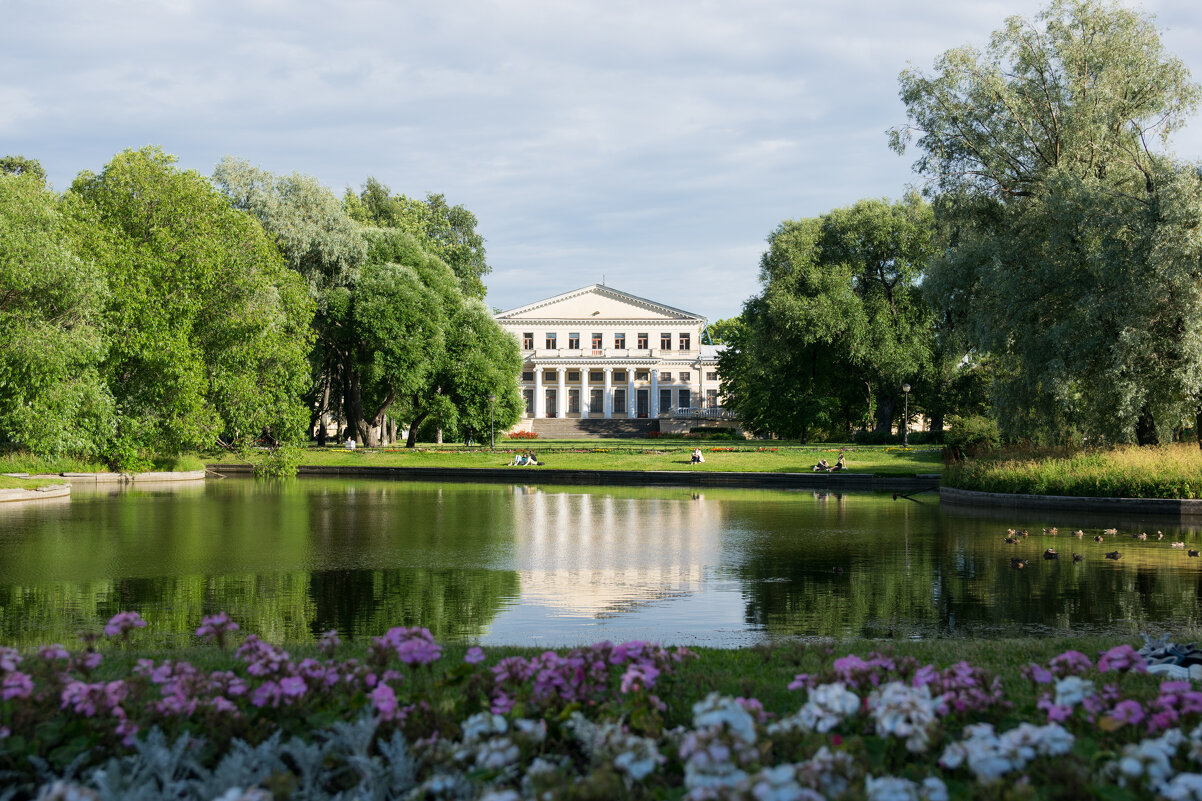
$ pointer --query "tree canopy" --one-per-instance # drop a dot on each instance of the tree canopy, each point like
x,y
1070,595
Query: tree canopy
x,y
1073,254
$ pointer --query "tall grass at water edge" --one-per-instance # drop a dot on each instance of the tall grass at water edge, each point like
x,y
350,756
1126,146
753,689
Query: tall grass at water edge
x,y
24,462
1167,471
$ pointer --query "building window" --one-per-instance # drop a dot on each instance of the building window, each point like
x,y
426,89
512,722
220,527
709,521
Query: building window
x,y
528,376
664,376
665,400
619,401
642,342
685,399
665,342
686,376
550,375
597,342
573,401
574,341
685,340
528,340
528,396
619,375
596,376
642,375
551,342
711,375
573,375
596,401
711,399
619,341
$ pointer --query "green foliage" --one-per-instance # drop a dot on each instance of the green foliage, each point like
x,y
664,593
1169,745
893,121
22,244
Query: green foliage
x,y
721,332
280,462
840,324
972,434
1067,232
19,165
52,398
207,328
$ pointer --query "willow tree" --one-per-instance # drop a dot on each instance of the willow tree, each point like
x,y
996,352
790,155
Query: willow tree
x,y
1074,255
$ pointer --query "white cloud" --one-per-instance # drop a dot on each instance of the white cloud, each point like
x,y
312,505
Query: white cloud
x,y
654,143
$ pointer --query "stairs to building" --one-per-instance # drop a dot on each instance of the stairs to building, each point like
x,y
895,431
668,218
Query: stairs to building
x,y
591,428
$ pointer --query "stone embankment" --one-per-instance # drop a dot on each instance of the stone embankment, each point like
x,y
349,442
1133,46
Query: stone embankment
x,y
63,490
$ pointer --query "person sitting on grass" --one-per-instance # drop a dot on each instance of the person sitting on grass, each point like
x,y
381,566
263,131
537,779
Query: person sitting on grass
x,y
697,458
531,459
518,458
841,464
821,467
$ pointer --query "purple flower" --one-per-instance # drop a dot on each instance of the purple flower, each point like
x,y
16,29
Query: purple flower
x,y
1122,658
1128,711
51,652
122,623
1070,663
9,659
802,681
384,701
638,677
293,687
266,694
215,627
16,685
1037,674
413,646
474,655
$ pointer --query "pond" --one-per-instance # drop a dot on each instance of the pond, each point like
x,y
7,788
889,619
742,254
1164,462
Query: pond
x,y
547,566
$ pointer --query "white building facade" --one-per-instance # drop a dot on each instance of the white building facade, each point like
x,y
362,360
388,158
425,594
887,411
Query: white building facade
x,y
598,352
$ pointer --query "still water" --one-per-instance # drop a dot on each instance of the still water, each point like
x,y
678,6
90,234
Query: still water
x,y
545,565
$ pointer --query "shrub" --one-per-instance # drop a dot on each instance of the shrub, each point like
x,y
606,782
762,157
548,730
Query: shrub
x,y
970,435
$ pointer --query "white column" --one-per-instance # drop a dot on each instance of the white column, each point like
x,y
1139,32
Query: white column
x,y
540,400
653,401
608,397
630,396
584,395
561,395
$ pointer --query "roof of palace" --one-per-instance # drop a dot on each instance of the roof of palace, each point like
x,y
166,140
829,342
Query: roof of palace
x,y
641,308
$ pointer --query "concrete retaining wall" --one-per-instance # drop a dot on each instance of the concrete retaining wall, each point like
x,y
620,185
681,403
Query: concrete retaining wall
x,y
35,494
1127,506
137,478
846,482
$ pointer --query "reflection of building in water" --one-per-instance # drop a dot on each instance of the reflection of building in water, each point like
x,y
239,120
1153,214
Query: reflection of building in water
x,y
598,555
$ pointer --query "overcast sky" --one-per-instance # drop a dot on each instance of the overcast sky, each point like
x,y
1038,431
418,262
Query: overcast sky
x,y
650,144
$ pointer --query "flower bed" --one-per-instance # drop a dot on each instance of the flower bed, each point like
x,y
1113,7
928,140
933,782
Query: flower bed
x,y
399,721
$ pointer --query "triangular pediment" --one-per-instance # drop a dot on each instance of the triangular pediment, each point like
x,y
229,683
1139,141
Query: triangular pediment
x,y
597,302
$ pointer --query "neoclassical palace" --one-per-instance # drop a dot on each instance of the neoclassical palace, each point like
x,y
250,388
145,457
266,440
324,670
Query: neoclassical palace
x,y
598,352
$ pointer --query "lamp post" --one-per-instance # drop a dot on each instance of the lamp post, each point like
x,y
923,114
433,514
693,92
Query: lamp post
x,y
906,419
492,427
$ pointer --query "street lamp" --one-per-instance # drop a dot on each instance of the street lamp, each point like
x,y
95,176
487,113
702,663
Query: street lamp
x,y
492,427
906,419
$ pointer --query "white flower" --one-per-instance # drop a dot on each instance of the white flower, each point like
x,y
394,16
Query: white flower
x,y
933,789
482,725
905,712
718,711
639,759
250,794
890,788
828,772
65,791
1072,690
827,706
780,784
533,730
989,756
496,753
1183,787
1150,759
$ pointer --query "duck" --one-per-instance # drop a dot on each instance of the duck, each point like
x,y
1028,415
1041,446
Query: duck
x,y
1177,545
1012,540
1053,531
1024,533
1078,557
1016,563
1111,532
1050,553
1098,538
1192,552
1078,533
1141,536
1114,555
1159,536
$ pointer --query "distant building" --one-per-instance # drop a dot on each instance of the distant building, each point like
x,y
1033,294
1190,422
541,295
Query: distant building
x,y
598,352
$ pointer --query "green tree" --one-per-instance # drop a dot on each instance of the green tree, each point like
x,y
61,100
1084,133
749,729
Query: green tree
x,y
448,232
840,323
208,329
52,398
19,165
721,332
1073,256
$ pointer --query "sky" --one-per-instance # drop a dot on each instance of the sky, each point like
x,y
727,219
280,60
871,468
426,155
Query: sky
x,y
650,145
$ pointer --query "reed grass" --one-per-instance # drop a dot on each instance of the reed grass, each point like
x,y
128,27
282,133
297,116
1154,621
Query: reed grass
x,y
1167,471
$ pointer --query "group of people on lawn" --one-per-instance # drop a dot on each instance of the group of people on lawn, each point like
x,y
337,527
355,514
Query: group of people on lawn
x,y
523,459
824,467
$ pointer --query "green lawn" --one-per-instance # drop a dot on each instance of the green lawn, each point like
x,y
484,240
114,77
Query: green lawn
x,y
641,454
8,482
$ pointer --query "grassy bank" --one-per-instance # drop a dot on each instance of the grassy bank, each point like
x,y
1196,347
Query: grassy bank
x,y
9,482
770,457
1168,471
22,462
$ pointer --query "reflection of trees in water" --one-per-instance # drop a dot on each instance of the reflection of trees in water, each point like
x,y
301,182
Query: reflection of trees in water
x,y
931,574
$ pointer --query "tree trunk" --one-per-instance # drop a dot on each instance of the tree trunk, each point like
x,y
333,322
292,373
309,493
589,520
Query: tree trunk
x,y
413,426
391,431
885,407
1198,426
1145,428
937,422
353,403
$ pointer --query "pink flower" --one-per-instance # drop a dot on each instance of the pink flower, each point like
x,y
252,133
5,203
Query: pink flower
x,y
474,655
1070,663
293,687
384,700
638,677
802,681
127,730
1037,674
122,623
55,651
266,694
215,627
1128,711
1122,658
501,704
16,685
9,659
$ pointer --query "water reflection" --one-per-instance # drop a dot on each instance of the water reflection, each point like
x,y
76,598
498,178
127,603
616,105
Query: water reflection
x,y
547,565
